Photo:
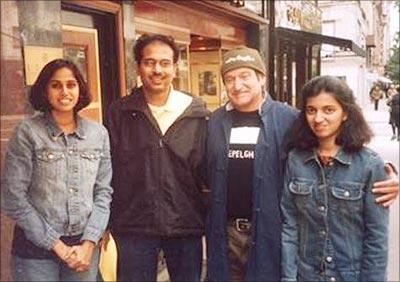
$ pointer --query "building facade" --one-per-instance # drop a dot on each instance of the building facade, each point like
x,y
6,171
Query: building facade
x,y
366,24
295,42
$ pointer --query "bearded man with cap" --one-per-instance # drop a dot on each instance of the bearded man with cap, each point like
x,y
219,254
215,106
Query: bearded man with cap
x,y
246,152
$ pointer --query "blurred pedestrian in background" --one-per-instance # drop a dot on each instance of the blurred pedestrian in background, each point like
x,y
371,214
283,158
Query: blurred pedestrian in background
x,y
376,94
391,91
389,95
393,103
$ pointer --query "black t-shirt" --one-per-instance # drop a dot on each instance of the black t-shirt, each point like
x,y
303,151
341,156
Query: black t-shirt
x,y
244,135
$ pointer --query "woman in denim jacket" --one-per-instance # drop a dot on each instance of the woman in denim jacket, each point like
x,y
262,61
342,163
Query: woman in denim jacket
x,y
333,230
56,182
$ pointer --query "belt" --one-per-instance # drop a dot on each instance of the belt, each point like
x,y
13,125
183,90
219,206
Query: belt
x,y
240,224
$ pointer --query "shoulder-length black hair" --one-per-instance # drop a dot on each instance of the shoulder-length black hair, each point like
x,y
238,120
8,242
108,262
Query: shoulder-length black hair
x,y
38,92
354,131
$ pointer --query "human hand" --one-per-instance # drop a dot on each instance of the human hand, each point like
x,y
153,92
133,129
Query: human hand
x,y
105,239
63,251
84,252
388,188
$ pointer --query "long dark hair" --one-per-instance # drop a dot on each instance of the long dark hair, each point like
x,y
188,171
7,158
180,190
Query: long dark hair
x,y
38,92
354,132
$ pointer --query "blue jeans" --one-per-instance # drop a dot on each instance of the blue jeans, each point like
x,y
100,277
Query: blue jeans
x,y
138,257
52,270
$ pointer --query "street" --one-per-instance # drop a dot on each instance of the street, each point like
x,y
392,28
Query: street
x,y
389,151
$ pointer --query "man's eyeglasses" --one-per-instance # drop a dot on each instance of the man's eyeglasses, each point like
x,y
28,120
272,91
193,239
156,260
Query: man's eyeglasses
x,y
151,64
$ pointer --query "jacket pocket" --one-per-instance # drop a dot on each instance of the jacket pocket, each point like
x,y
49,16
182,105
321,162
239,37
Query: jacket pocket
x,y
350,276
49,162
347,195
90,160
302,192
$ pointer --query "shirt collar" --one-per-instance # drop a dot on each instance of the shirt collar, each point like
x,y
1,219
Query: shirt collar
x,y
341,156
54,131
172,102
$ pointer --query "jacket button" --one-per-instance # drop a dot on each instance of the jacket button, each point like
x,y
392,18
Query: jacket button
x,y
328,259
321,208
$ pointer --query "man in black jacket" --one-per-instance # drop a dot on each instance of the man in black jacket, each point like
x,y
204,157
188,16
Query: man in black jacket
x,y
157,142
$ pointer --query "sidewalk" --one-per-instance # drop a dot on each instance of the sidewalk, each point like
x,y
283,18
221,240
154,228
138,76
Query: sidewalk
x,y
389,150
378,120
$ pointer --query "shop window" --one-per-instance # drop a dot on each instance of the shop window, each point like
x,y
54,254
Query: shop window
x,y
315,60
77,55
181,80
205,77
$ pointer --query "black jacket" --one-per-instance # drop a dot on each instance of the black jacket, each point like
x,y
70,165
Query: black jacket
x,y
156,178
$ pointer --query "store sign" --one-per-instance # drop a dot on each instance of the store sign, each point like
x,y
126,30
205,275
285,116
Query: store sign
x,y
298,15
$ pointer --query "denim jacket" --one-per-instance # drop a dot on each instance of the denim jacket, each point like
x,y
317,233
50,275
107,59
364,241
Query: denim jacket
x,y
57,185
333,230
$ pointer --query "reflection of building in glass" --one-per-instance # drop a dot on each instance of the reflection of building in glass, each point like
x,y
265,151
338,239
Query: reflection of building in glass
x,y
77,56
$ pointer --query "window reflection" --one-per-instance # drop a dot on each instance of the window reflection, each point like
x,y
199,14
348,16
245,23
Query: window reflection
x,y
77,55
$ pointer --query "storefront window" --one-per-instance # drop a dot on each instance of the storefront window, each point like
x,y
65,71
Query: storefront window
x,y
77,55
315,63
181,81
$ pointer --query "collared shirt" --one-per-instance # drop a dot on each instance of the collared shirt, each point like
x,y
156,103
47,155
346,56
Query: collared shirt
x,y
55,184
166,115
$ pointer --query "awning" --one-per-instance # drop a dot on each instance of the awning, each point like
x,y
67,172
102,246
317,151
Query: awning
x,y
315,38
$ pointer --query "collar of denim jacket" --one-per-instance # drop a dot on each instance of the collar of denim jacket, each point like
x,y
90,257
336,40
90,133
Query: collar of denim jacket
x,y
54,131
341,156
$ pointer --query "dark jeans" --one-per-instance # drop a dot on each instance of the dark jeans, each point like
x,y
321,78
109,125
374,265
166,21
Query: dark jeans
x,y
238,248
138,257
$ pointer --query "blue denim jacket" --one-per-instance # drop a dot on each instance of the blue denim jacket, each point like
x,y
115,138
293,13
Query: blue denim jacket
x,y
333,230
54,185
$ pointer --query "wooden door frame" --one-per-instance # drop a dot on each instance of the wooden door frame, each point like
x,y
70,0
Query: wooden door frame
x,y
93,64
116,10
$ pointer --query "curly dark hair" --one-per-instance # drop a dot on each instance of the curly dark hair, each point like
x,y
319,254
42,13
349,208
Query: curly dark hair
x,y
354,132
38,92
147,39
